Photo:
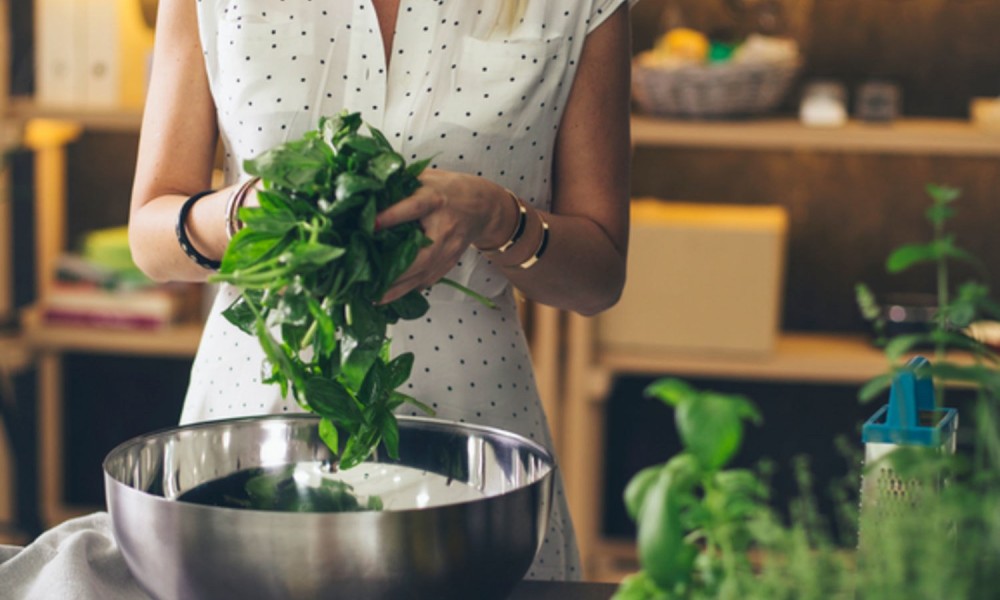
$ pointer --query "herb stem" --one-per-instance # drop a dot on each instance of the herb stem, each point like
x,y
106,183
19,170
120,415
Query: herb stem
x,y
475,295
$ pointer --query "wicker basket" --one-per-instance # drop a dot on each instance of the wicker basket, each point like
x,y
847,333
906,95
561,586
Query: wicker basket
x,y
712,91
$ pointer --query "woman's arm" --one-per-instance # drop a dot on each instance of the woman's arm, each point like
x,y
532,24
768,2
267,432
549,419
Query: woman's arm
x,y
176,153
583,268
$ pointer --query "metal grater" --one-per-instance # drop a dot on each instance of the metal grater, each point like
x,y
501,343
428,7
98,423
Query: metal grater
x,y
911,418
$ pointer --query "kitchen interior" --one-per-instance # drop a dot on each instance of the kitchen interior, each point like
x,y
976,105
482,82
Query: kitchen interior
x,y
757,210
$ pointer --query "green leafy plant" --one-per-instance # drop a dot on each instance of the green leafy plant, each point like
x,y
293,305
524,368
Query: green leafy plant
x,y
311,268
693,514
957,309
699,539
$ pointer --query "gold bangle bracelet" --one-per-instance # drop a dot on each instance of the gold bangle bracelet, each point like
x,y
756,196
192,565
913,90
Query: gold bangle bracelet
x,y
519,227
542,244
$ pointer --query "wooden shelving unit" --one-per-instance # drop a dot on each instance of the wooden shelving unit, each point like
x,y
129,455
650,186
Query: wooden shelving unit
x,y
14,358
126,119
49,343
46,131
905,136
822,358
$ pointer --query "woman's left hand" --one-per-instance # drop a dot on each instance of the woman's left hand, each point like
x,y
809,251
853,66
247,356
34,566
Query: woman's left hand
x,y
454,210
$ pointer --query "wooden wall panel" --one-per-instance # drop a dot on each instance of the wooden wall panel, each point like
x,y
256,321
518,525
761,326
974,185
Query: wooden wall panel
x,y
846,214
942,52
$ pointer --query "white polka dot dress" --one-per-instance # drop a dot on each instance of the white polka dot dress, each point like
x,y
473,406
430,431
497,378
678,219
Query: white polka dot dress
x,y
477,99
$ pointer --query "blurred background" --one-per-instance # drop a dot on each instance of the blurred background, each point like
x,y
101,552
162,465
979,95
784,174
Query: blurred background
x,y
781,151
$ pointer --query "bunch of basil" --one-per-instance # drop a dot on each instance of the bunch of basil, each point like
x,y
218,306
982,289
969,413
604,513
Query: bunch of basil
x,y
311,268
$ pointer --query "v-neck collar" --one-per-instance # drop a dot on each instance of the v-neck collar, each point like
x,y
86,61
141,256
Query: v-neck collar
x,y
392,26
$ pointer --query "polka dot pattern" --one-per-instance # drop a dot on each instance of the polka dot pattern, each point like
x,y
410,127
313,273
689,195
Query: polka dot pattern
x,y
456,88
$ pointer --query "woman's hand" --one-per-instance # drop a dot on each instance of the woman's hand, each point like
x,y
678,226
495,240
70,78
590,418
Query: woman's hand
x,y
455,210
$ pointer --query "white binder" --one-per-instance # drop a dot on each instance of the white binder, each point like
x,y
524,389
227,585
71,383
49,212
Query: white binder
x,y
91,54
59,45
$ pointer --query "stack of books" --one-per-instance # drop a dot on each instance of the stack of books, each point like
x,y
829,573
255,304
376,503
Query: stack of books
x,y
102,287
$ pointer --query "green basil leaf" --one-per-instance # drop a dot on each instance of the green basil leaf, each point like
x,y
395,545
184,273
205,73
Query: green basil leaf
x,y
390,434
330,399
638,486
908,255
411,306
385,165
314,255
415,169
247,248
351,184
380,140
329,434
399,370
241,315
711,426
397,399
361,144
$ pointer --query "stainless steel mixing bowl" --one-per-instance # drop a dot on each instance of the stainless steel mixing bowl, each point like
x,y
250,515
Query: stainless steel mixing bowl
x,y
437,544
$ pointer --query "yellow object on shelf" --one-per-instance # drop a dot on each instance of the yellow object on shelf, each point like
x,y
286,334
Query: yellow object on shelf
x,y
985,114
109,248
684,43
701,277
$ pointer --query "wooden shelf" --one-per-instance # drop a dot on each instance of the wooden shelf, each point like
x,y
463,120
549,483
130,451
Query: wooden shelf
x,y
172,341
904,136
801,357
111,119
797,357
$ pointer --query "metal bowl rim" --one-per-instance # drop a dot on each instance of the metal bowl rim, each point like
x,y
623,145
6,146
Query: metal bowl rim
x,y
421,422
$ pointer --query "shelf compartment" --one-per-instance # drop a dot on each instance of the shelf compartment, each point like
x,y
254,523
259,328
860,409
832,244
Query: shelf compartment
x,y
179,340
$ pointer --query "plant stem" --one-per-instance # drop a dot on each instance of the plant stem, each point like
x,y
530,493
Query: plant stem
x,y
475,295
941,318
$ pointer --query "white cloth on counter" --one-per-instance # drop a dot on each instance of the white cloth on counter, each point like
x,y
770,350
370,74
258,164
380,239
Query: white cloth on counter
x,y
77,560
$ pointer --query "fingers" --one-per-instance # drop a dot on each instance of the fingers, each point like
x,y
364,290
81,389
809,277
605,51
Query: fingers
x,y
432,263
422,203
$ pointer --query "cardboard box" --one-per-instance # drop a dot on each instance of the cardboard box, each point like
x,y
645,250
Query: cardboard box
x,y
701,278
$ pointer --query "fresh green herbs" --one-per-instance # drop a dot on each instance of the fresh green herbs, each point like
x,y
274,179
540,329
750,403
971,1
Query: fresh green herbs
x,y
693,515
312,267
957,309
707,533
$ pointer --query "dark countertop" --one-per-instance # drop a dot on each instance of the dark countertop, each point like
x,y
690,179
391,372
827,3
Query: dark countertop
x,y
561,590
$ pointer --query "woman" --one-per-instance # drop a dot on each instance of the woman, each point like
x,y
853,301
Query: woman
x,y
523,105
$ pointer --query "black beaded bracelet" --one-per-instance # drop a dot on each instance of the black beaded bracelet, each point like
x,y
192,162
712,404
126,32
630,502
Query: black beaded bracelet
x,y
182,237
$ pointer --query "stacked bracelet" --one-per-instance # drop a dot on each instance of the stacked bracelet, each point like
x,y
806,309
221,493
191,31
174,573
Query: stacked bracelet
x,y
182,237
236,201
542,245
522,224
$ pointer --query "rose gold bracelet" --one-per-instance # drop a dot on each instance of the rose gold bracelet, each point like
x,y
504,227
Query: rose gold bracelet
x,y
236,201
